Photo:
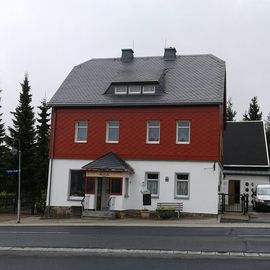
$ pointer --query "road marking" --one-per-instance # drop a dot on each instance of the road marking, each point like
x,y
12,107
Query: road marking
x,y
22,232
254,235
145,252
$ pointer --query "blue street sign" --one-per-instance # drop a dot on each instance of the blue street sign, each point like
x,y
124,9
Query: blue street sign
x,y
12,171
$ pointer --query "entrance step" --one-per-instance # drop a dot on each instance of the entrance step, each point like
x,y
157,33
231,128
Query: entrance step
x,y
98,214
233,218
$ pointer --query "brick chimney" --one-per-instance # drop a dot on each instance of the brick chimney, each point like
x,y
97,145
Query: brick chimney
x,y
169,54
127,55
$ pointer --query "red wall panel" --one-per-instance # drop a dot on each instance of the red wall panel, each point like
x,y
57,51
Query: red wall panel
x,y
204,135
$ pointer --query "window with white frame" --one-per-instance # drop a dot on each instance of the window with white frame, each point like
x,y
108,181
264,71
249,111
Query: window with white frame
x,y
152,179
81,128
183,132
120,90
182,185
134,89
149,89
153,132
76,183
112,132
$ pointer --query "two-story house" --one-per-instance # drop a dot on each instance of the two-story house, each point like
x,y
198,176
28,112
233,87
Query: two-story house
x,y
121,126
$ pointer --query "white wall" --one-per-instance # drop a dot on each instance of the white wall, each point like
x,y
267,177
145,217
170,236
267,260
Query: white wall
x,y
204,179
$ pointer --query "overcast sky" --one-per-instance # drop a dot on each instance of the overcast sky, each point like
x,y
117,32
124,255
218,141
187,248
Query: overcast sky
x,y
46,38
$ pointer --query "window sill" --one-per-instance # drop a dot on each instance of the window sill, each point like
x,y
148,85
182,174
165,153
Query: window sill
x,y
112,142
182,142
80,141
181,197
75,198
154,196
152,142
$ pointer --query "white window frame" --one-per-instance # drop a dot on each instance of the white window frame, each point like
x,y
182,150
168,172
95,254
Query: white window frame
x,y
177,196
153,91
77,127
108,127
120,90
130,92
157,180
183,127
147,133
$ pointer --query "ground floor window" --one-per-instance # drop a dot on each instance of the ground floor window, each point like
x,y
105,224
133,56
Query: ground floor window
x,y
90,183
152,180
76,183
116,186
182,185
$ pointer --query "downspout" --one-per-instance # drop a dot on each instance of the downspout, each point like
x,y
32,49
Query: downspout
x,y
51,163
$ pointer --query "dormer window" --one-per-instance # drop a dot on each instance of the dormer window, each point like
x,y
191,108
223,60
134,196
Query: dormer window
x,y
134,89
149,89
120,90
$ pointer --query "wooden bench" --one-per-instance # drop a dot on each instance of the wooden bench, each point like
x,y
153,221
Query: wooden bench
x,y
178,207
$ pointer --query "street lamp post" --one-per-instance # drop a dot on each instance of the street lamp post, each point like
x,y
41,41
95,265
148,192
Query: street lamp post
x,y
14,152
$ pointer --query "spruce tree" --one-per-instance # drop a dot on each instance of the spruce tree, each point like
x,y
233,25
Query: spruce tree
x,y
267,130
42,151
253,111
230,113
2,151
23,132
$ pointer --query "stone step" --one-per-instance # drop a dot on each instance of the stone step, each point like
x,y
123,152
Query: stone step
x,y
98,214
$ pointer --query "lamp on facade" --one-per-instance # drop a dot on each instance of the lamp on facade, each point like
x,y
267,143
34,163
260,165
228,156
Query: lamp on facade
x,y
15,151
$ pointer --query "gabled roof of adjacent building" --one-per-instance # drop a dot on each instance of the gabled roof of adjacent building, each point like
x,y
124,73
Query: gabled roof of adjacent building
x,y
109,163
245,144
185,80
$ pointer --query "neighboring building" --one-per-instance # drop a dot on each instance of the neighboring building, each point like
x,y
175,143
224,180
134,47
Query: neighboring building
x,y
122,125
246,160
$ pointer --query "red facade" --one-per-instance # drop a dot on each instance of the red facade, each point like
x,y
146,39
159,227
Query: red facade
x,y
205,133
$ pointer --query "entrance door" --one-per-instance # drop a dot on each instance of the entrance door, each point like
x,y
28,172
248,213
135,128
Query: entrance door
x,y
102,193
234,191
99,193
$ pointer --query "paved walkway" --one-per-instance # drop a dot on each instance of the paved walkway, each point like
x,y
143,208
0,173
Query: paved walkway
x,y
6,219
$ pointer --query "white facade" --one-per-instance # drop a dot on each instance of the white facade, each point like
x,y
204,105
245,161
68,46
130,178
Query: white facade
x,y
204,180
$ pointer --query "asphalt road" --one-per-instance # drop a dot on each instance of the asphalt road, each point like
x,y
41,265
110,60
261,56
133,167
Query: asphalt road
x,y
20,262
155,238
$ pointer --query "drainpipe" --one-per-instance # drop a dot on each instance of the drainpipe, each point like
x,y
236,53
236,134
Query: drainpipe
x,y
51,163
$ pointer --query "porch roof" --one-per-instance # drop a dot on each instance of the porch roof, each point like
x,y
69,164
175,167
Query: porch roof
x,y
109,163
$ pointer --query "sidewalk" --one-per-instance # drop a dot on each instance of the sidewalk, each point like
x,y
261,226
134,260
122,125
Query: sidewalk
x,y
10,220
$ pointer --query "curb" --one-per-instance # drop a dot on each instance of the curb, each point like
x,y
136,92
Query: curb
x,y
145,252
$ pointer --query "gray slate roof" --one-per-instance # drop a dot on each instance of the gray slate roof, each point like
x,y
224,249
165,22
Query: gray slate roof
x,y
190,79
245,144
109,163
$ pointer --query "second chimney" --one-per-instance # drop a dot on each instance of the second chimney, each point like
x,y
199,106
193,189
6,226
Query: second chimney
x,y
127,55
169,54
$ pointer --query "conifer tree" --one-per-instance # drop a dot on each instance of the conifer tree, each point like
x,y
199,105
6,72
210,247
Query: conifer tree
x,y
2,151
230,112
253,111
42,149
267,130
23,131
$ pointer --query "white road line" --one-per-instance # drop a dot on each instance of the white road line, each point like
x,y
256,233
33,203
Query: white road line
x,y
254,235
22,232
145,252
